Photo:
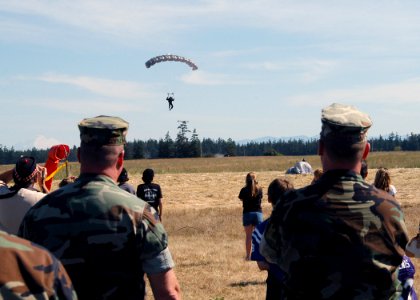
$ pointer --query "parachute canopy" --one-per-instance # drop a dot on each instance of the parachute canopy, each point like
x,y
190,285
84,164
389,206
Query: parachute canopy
x,y
170,57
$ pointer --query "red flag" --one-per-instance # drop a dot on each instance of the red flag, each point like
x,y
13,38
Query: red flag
x,y
56,153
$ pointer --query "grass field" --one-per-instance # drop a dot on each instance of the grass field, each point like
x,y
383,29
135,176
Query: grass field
x,y
203,218
203,215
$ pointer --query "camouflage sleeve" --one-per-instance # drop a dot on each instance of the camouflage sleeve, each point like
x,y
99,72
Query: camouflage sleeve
x,y
393,221
29,271
154,236
160,263
269,240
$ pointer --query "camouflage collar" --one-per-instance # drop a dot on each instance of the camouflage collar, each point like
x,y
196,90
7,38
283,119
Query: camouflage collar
x,y
95,177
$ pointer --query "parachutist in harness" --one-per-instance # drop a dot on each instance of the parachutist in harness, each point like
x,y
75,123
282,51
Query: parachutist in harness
x,y
170,99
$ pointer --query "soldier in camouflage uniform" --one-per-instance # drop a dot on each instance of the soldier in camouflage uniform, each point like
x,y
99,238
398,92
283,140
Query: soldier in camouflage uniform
x,y
28,271
105,237
340,238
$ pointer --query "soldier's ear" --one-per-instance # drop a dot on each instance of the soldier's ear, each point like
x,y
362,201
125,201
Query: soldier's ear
x,y
366,151
120,159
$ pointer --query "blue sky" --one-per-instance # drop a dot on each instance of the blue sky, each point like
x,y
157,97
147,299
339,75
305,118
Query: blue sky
x,y
265,68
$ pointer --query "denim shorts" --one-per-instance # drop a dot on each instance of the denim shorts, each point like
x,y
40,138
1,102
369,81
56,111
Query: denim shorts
x,y
252,218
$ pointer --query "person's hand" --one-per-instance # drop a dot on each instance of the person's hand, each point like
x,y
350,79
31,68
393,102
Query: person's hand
x,y
41,176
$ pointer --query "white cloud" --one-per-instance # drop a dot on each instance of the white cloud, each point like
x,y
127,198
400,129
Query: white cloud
x,y
99,106
13,30
42,142
395,93
128,18
235,52
121,89
308,70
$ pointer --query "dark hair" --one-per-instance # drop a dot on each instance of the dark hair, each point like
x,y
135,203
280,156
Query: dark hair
x,y
382,179
123,176
148,175
277,188
364,169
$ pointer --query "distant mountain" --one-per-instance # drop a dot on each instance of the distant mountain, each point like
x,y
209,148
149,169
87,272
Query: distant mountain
x,y
274,139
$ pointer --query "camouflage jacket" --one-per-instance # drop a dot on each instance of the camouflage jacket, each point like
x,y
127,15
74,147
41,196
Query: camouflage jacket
x,y
105,237
28,271
339,238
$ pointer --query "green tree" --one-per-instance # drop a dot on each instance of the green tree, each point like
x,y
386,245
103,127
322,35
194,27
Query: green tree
x,y
166,147
182,142
195,145
230,147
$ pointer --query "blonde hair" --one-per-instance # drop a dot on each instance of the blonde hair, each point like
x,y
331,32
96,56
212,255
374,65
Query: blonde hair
x,y
252,183
382,179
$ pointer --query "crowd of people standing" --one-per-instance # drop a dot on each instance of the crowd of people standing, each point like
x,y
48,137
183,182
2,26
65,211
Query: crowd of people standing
x,y
96,237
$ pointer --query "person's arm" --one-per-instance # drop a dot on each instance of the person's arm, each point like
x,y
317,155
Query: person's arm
x,y
165,285
263,265
160,209
6,176
241,195
159,196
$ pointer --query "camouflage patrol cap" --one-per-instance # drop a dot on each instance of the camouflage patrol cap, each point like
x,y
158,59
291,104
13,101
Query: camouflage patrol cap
x,y
345,121
103,130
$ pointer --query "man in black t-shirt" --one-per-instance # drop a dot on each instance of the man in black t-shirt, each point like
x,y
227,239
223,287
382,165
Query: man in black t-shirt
x,y
150,191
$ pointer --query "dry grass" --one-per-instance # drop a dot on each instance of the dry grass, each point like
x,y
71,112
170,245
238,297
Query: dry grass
x,y
203,218
203,215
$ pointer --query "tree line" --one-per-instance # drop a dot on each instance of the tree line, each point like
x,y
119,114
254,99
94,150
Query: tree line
x,y
188,144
